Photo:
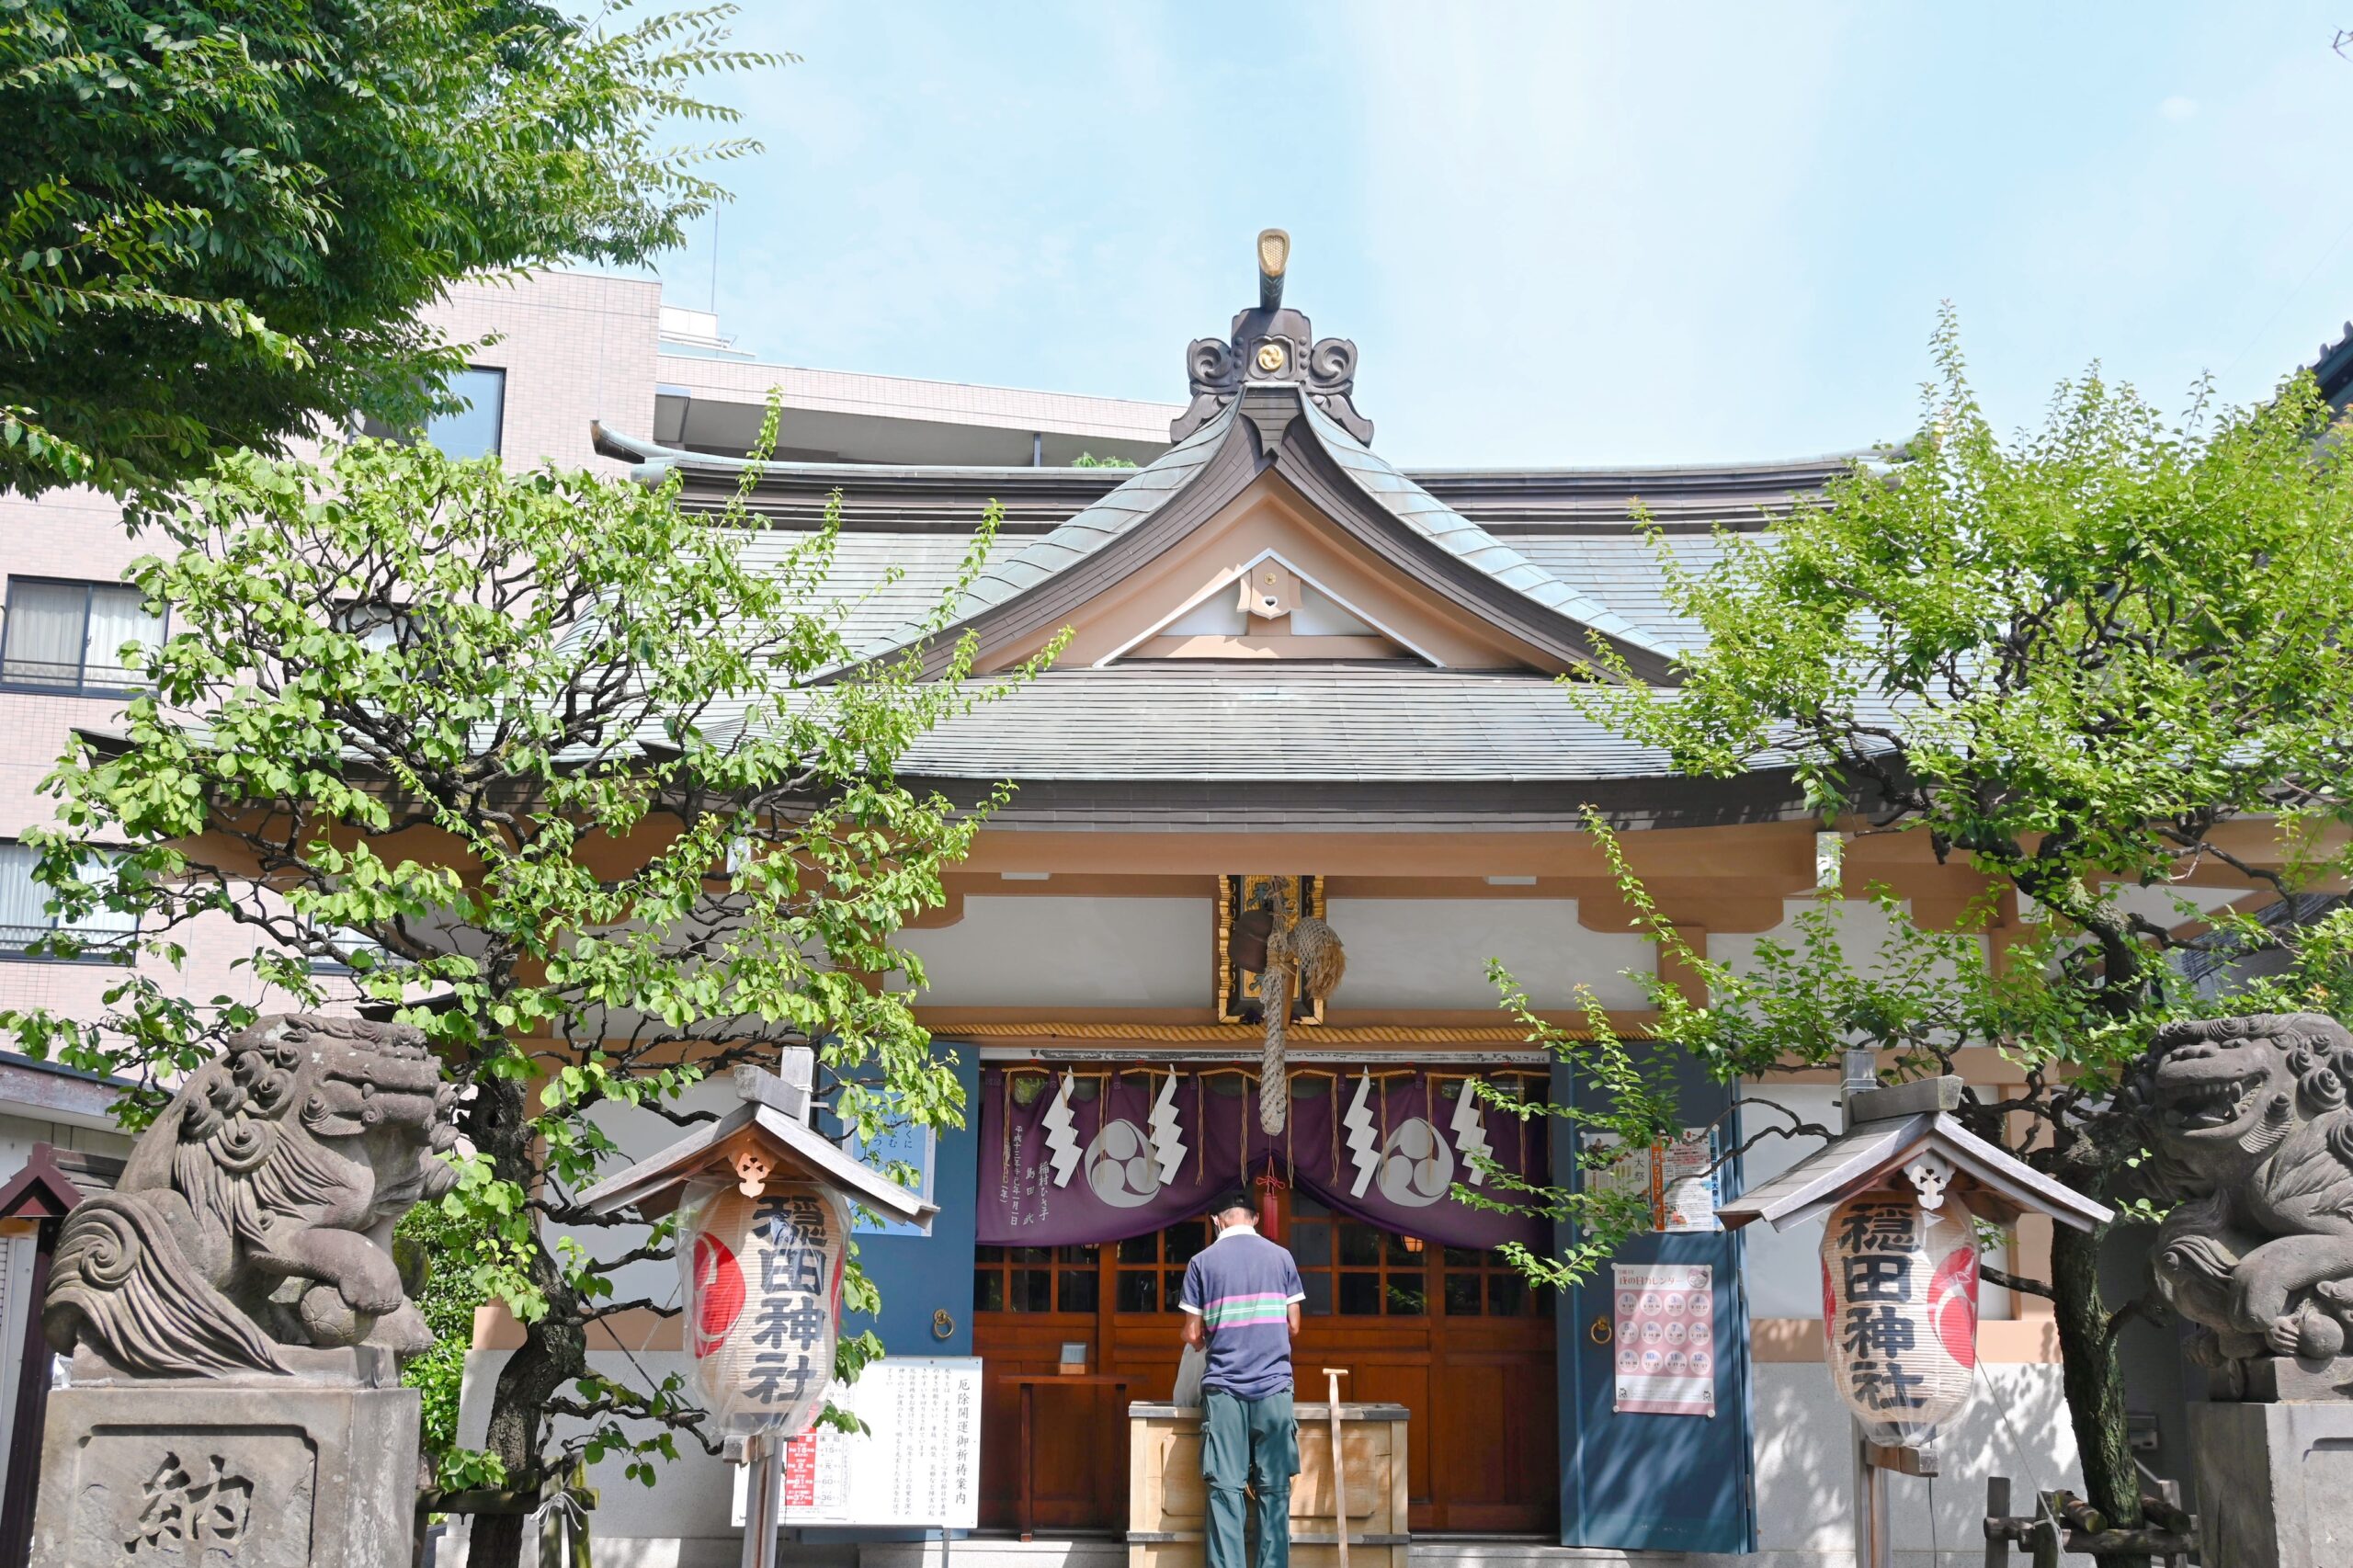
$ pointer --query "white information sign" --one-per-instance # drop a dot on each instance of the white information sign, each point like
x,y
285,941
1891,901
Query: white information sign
x,y
1631,1171
917,1465
1677,1178
1688,1182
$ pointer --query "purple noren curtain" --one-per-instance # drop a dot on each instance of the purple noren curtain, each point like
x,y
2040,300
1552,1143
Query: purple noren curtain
x,y
1407,1160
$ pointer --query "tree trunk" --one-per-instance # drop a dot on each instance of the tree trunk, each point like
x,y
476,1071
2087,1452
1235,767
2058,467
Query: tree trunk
x,y
2094,1384
497,1541
554,1349
530,1375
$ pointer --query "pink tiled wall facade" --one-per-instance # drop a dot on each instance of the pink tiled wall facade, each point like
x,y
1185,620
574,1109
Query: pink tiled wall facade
x,y
575,348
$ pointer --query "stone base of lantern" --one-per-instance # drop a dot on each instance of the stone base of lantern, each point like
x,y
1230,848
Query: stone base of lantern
x,y
2275,1483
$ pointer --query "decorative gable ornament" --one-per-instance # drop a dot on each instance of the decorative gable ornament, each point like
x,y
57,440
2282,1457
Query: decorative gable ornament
x,y
1270,591
1271,345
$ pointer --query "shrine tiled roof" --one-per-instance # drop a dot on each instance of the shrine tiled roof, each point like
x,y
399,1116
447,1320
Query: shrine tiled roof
x,y
1463,539
1279,721
1136,498
1586,570
1623,571
2333,369
1143,494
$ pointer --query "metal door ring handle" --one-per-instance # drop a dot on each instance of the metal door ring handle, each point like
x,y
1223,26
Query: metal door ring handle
x,y
1601,1332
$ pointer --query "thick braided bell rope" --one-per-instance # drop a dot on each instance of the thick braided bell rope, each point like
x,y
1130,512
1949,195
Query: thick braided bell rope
x,y
1273,1075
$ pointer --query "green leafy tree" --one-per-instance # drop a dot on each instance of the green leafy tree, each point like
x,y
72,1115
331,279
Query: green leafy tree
x,y
218,220
446,1251
557,777
2091,659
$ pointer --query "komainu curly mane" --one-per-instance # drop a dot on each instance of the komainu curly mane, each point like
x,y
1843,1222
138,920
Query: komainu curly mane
x,y
257,1211
2248,1122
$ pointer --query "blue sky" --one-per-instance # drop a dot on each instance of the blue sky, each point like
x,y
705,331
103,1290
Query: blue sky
x,y
1558,234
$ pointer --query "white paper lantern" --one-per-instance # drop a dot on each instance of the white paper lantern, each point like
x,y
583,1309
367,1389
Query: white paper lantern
x,y
1899,1310
763,1279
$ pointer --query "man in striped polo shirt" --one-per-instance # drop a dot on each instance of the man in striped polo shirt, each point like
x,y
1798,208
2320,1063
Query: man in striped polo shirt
x,y
1241,1301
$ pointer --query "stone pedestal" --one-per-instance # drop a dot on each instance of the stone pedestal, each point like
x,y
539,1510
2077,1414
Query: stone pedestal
x,y
258,1472
2275,1483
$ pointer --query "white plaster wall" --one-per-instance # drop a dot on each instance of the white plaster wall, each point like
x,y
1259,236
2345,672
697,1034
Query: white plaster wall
x,y
1076,952
1783,1267
2015,1426
681,1521
1153,953
2166,903
641,1133
1418,953
1863,928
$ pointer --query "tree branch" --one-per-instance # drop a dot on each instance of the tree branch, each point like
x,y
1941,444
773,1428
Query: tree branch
x,y
2009,1281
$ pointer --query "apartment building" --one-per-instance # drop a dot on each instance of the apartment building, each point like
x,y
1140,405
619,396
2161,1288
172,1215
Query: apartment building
x,y
564,353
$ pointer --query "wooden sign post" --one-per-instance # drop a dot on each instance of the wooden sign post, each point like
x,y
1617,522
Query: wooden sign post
x,y
1339,1466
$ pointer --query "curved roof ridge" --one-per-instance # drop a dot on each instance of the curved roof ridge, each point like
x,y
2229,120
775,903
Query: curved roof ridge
x,y
1119,511
1451,532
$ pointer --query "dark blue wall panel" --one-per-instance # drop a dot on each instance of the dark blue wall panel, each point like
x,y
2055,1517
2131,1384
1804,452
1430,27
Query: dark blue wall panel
x,y
920,1275
1657,1482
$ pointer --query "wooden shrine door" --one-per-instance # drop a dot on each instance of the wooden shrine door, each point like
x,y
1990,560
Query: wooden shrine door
x,y
1457,1338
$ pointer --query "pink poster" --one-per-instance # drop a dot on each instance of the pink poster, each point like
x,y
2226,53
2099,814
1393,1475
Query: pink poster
x,y
1665,1337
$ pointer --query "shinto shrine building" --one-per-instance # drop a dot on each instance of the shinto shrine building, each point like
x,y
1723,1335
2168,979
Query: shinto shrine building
x,y
1289,662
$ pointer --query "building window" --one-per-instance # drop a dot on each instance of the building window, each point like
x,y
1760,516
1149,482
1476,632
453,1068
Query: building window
x,y
475,430
1352,1269
1036,1279
25,917
1152,1268
1484,1284
378,627
69,636
367,953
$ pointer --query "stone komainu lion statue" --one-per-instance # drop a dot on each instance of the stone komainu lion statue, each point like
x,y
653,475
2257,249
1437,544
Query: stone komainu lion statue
x,y
2249,1122
257,1211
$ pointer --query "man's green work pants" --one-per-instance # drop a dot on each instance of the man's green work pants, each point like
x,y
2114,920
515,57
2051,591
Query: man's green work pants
x,y
1254,1440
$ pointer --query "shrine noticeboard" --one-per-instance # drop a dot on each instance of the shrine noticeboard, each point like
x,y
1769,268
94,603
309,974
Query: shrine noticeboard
x,y
1678,1178
1665,1335
917,1465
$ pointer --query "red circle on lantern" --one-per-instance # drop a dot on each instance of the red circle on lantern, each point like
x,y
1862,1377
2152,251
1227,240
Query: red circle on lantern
x,y
1952,1305
719,1293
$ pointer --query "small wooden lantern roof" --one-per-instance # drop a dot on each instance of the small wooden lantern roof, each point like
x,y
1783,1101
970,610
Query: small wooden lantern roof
x,y
40,1190
1889,1130
771,1125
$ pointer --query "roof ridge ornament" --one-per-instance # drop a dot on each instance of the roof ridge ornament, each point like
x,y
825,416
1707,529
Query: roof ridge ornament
x,y
1271,345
